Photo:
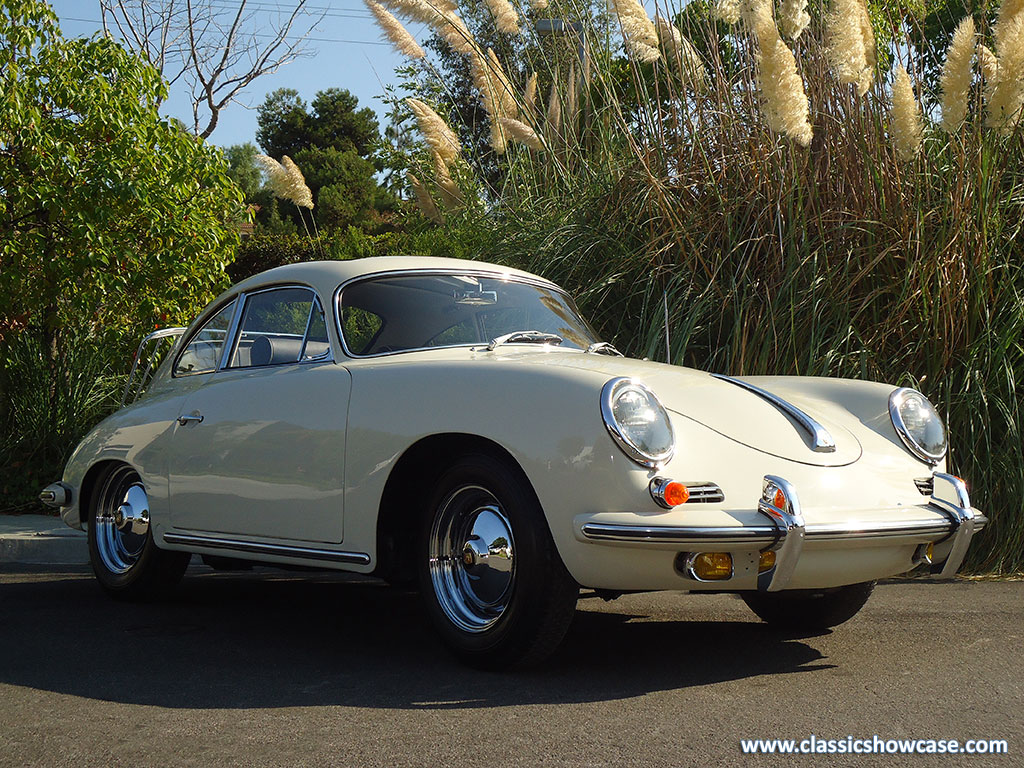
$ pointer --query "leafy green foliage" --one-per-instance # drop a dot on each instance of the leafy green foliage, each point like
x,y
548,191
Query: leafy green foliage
x,y
112,220
99,196
265,251
287,126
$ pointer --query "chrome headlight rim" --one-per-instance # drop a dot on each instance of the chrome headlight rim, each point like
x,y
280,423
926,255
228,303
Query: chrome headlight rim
x,y
896,400
609,393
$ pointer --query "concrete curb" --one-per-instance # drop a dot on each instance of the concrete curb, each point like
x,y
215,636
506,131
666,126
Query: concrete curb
x,y
40,540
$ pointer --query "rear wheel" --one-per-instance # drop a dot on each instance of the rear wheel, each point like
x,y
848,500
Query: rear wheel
x,y
124,557
809,609
494,585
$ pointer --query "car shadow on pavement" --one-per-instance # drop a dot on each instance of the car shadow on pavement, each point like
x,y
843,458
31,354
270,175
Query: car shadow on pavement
x,y
276,639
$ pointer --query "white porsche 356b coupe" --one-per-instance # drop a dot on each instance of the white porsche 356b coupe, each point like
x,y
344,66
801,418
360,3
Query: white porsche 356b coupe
x,y
459,423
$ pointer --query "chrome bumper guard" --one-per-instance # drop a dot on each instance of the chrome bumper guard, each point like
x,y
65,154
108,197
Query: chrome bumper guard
x,y
792,531
788,530
950,495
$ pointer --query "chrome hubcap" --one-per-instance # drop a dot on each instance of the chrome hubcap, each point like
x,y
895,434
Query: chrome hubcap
x,y
472,563
122,522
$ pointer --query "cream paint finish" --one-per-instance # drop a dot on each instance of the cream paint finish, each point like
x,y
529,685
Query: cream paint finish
x,y
541,405
267,461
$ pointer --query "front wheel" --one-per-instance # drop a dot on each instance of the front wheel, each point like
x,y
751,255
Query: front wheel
x,y
809,609
493,583
127,562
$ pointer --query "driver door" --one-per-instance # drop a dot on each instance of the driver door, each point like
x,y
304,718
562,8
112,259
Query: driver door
x,y
259,448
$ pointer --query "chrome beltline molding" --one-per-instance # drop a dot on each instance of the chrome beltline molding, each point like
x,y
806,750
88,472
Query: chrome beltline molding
x,y
280,550
763,534
821,440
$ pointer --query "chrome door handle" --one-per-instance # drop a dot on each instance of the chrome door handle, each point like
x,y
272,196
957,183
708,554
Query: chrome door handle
x,y
195,416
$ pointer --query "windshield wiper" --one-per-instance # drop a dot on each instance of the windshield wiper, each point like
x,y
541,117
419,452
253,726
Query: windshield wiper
x,y
525,337
604,348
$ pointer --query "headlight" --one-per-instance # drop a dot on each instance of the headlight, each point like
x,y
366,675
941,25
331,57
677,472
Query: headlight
x,y
918,424
637,422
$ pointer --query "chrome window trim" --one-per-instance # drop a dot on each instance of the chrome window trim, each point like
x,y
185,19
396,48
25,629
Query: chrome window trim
x,y
895,400
233,328
160,333
199,324
327,356
512,278
231,340
821,440
625,444
252,547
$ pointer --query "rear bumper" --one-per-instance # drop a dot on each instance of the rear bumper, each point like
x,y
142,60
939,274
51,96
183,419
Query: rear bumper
x,y
950,528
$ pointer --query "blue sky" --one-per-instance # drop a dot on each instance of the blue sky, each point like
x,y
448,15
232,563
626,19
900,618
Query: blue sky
x,y
346,52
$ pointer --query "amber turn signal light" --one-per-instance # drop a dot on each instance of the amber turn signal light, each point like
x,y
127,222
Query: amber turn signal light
x,y
676,494
767,561
668,493
780,499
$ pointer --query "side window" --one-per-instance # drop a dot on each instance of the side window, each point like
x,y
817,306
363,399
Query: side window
x,y
361,328
280,326
203,352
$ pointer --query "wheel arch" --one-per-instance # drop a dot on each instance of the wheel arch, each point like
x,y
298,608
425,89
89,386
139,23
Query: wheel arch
x,y
416,469
88,485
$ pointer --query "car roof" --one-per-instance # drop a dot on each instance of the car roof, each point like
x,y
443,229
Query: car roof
x,y
328,275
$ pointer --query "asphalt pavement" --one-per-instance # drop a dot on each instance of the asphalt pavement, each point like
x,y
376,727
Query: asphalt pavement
x,y
276,668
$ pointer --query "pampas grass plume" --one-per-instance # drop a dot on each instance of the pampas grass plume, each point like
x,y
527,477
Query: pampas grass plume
x,y
435,130
1006,95
677,48
1008,10
530,94
277,175
851,44
505,17
521,132
956,76
793,18
450,192
906,127
728,11
441,16
989,64
394,31
784,100
298,191
638,30
286,180
554,116
423,199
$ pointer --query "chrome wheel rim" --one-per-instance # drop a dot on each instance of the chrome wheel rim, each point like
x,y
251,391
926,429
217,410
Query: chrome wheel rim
x,y
122,521
472,562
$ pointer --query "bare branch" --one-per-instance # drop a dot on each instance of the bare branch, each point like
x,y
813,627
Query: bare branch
x,y
216,50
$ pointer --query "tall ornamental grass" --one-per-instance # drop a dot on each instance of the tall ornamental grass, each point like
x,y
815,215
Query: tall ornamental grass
x,y
783,184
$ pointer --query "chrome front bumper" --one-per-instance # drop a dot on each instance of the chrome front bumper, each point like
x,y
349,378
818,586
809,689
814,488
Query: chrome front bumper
x,y
785,531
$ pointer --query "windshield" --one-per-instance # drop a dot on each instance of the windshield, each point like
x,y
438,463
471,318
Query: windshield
x,y
390,314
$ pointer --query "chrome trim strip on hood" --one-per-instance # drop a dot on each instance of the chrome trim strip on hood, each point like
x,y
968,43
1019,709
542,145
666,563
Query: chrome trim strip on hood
x,y
821,440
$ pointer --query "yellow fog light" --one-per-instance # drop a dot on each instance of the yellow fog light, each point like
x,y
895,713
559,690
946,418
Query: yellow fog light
x,y
711,566
767,561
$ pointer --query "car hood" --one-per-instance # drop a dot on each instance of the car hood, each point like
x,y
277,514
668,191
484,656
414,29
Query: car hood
x,y
731,410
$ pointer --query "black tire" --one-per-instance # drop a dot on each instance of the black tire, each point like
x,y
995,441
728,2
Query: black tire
x,y
809,609
496,604
126,561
